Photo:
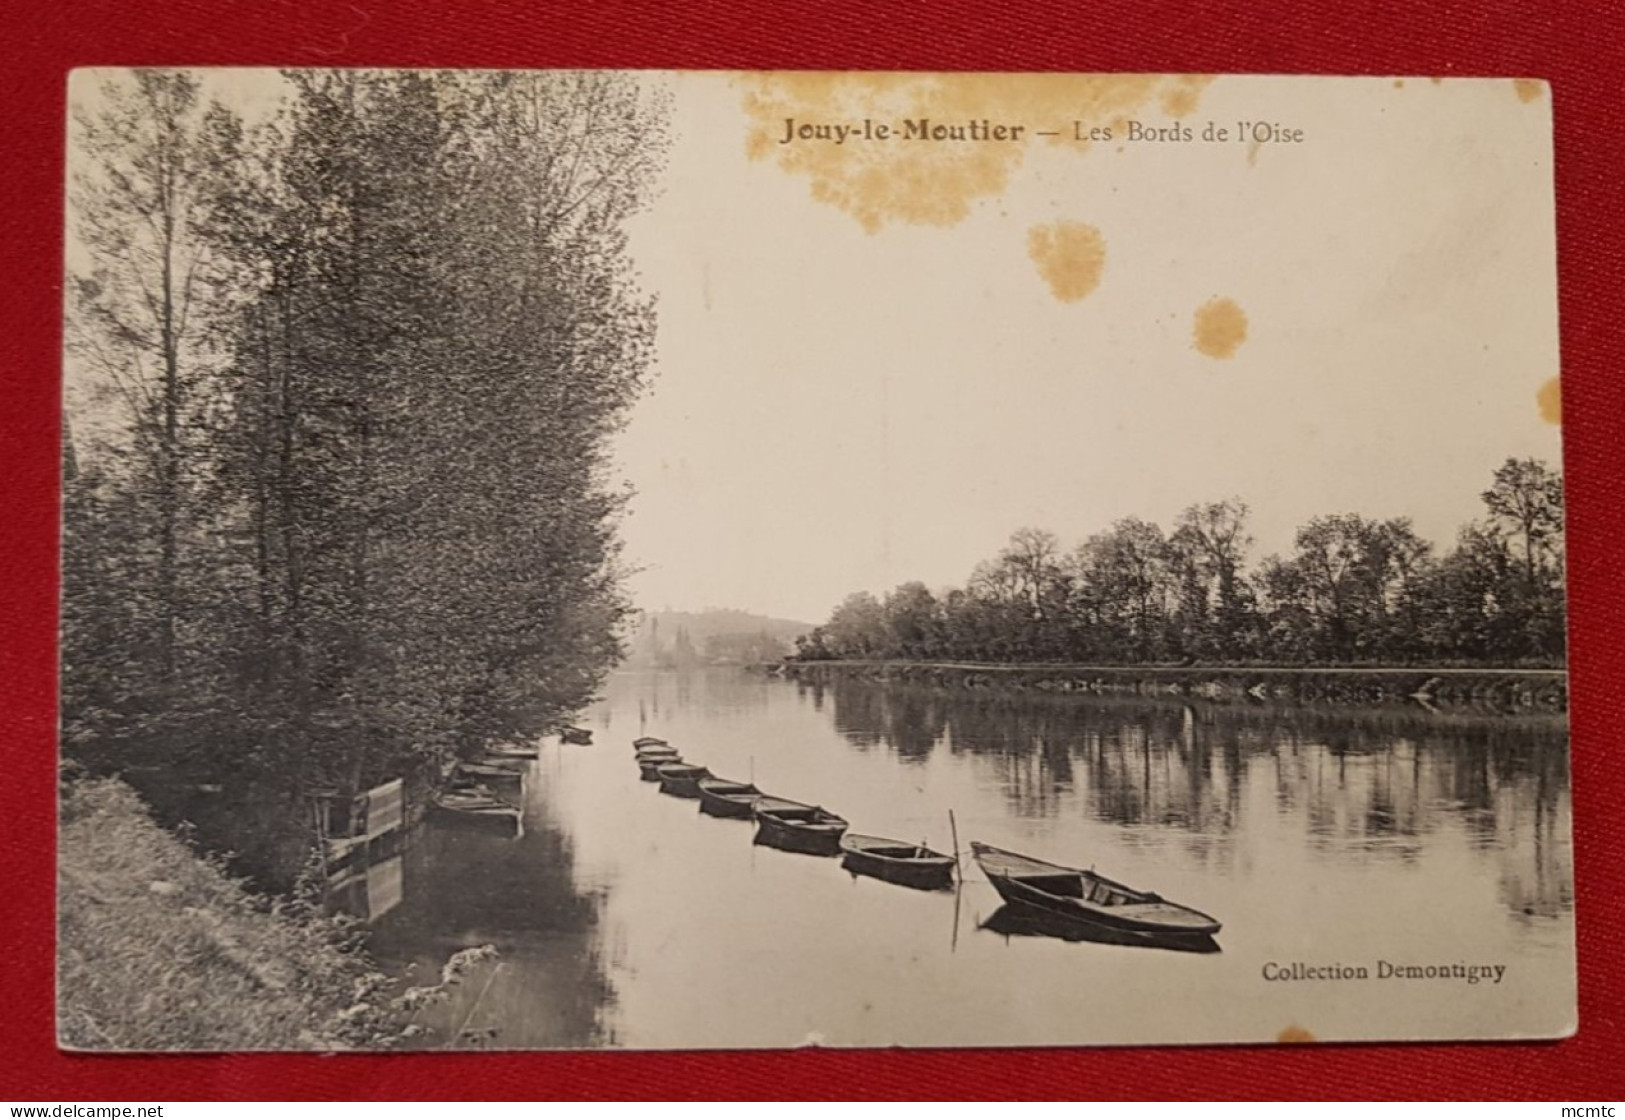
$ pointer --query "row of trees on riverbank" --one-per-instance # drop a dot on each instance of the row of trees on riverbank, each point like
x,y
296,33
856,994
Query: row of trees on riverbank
x,y
1355,590
342,374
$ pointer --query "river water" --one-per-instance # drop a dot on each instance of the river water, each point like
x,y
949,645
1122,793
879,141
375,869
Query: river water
x,y
623,917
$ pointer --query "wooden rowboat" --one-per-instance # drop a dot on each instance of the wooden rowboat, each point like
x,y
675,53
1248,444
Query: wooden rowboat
x,y
896,861
722,798
650,762
476,806
511,750
489,773
795,827
1083,896
580,736
648,741
680,779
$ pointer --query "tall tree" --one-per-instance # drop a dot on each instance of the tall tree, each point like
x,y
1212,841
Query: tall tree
x,y
1344,586
857,627
912,624
134,319
1526,501
1208,549
422,330
1027,586
1125,573
1463,605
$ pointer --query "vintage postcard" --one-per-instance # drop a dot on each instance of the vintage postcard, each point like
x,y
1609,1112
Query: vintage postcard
x,y
707,560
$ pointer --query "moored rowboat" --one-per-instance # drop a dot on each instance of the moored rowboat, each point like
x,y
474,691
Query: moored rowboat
x,y
489,773
896,861
475,806
511,750
680,778
648,741
722,798
796,827
580,736
1084,896
651,760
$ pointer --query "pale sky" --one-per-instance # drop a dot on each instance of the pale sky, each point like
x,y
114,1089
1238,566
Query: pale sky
x,y
838,410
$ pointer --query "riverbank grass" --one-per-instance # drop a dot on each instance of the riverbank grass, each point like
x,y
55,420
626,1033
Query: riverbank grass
x,y
160,949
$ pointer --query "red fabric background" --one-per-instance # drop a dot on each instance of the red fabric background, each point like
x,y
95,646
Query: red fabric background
x,y
1581,51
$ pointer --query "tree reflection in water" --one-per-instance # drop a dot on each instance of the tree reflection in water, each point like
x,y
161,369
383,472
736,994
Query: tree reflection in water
x,y
1373,782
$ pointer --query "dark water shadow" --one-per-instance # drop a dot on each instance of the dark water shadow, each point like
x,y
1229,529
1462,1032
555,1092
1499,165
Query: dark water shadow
x,y
796,847
912,878
1014,920
550,985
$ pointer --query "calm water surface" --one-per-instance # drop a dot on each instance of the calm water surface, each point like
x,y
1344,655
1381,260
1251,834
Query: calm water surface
x,y
624,917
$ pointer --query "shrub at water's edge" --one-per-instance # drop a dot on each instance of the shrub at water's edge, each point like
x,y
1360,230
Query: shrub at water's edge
x,y
160,949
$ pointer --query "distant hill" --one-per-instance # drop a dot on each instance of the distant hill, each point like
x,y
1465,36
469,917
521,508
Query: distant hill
x,y
674,639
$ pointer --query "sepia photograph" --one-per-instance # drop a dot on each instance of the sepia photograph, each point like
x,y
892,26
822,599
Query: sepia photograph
x,y
592,559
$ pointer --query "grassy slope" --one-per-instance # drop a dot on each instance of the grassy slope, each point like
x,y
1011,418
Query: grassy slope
x,y
160,950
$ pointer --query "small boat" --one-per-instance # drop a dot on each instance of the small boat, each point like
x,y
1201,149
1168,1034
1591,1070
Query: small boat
x,y
1088,898
511,750
796,827
488,772
648,741
476,806
580,736
722,798
680,779
896,861
650,762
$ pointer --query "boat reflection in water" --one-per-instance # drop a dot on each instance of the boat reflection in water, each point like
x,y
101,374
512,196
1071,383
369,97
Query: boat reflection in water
x,y
368,892
526,896
1017,920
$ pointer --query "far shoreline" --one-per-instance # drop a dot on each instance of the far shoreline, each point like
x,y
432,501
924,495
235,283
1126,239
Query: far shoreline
x,y
1506,690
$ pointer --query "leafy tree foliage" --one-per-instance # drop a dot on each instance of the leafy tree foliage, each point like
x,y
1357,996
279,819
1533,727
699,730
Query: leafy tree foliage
x,y
1355,590
349,509
1347,593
